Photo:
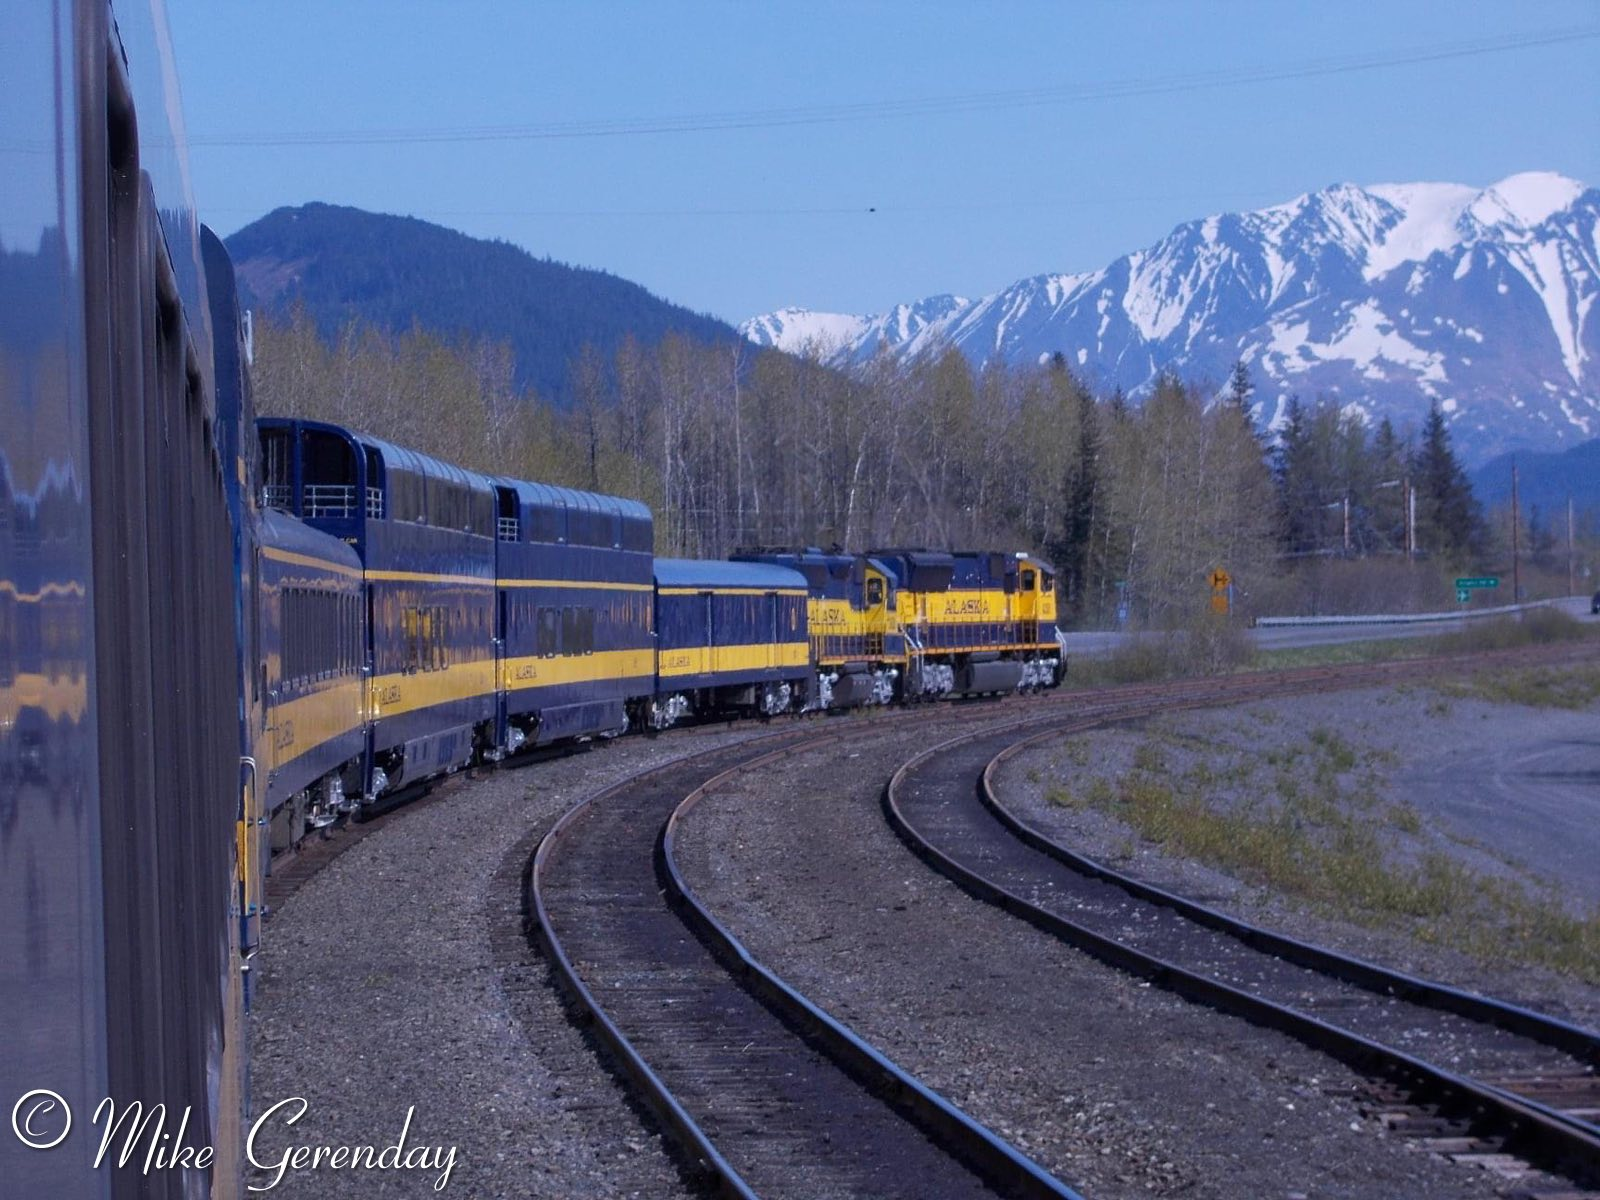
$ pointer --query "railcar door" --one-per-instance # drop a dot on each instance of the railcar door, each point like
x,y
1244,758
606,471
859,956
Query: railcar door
x,y
502,638
769,626
709,602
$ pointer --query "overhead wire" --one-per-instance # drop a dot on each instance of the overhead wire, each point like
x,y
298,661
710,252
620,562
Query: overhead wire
x,y
777,118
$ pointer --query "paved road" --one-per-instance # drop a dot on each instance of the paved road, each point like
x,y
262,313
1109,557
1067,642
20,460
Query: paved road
x,y
1281,638
1533,789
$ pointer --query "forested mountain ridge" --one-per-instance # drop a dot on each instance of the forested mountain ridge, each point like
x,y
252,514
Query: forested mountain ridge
x,y
1385,299
1544,483
345,264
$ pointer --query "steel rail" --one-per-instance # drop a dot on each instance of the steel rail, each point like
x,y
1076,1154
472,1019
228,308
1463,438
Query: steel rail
x,y
992,1158
999,1166
706,1160
1551,1031
1572,1146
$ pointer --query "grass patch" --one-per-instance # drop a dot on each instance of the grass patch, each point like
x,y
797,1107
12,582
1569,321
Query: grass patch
x,y
1308,827
1572,687
1537,627
1341,755
1208,645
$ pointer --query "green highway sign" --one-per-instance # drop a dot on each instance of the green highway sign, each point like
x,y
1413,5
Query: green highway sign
x,y
1462,595
1484,581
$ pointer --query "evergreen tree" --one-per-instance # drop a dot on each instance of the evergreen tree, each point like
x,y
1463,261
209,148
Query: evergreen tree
x,y
1082,496
1240,389
1298,482
1449,519
1386,507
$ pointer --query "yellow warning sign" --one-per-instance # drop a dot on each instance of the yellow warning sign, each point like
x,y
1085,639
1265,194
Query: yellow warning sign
x,y
1220,580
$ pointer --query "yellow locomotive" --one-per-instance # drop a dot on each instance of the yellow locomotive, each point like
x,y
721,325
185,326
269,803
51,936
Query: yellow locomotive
x,y
975,621
911,624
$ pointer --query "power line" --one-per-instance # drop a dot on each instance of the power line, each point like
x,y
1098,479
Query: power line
x,y
852,210
895,109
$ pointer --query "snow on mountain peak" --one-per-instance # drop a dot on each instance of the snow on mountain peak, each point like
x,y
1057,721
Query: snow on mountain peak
x,y
799,330
1430,216
1387,297
1527,199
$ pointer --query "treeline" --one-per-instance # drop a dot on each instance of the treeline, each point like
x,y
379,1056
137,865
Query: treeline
x,y
1348,490
733,445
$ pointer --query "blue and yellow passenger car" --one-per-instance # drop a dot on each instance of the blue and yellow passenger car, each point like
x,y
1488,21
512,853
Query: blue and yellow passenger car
x,y
310,625
573,614
425,533
731,637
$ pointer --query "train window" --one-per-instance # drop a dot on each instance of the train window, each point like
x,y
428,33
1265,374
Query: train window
x,y
440,648
636,534
410,620
483,513
586,629
549,626
548,523
407,497
1027,581
874,592
374,496
570,643
1048,583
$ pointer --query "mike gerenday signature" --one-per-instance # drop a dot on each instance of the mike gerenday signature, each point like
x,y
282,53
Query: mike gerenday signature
x,y
42,1119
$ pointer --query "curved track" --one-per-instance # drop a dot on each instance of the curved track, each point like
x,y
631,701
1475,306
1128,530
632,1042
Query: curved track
x,y
1497,1075
761,1102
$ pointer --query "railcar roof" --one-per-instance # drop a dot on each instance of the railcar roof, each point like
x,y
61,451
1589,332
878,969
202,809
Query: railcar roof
x,y
418,463
715,573
548,495
282,532
400,458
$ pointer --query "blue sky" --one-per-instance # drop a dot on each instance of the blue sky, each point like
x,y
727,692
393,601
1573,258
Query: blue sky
x,y
730,156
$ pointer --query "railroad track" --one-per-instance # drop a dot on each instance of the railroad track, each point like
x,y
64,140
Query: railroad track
x,y
292,868
766,1094
732,1103
1482,1080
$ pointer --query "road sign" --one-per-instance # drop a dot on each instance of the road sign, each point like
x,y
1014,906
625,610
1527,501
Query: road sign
x,y
1462,595
1220,579
1482,581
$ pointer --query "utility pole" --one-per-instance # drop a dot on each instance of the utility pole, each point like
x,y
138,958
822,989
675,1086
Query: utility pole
x,y
1347,524
1516,520
1572,582
1411,520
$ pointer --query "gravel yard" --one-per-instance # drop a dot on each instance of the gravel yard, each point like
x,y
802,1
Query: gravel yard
x,y
399,976
1118,1087
1496,803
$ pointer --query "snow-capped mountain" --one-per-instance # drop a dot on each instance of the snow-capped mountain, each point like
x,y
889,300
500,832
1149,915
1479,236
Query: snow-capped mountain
x,y
1385,297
